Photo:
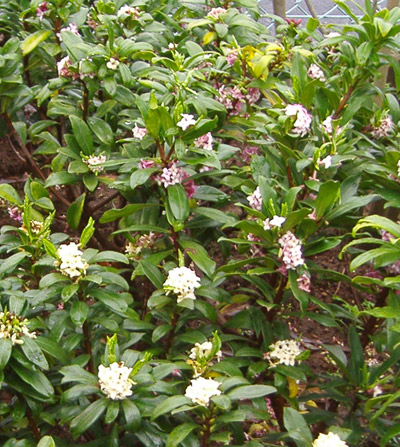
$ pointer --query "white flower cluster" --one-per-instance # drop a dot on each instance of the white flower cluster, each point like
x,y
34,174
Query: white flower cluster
x,y
292,256
398,168
14,327
206,142
139,132
255,199
329,440
71,263
326,162
144,241
315,72
112,64
128,11
114,381
276,221
201,390
385,127
186,121
170,175
303,118
203,351
182,281
35,226
216,12
94,163
284,351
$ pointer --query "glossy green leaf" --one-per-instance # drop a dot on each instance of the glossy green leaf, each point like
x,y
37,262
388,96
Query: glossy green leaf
x,y
46,441
33,353
169,404
33,40
74,212
179,433
82,134
8,193
250,392
178,202
5,352
88,417
79,312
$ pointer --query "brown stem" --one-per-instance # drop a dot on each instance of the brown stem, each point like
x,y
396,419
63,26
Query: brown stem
x,y
289,176
85,102
175,240
278,297
88,347
104,202
30,159
205,442
171,334
160,148
278,404
344,100
372,322
31,420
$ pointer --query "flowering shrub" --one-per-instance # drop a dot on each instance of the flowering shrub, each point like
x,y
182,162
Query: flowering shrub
x,y
164,274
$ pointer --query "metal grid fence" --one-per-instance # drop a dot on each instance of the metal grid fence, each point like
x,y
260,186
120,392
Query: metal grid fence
x,y
327,10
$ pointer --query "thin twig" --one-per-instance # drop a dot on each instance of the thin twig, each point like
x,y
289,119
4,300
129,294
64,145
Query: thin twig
x,y
103,202
31,420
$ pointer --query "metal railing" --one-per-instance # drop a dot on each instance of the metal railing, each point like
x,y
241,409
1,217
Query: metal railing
x,y
327,10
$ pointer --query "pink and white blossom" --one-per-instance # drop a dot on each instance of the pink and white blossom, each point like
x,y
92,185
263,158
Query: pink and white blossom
x,y
255,199
205,142
139,132
291,252
303,119
186,121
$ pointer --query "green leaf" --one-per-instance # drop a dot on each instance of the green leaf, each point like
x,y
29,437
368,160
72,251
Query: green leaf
x,y
102,130
141,176
8,193
5,352
75,373
112,412
153,273
114,214
199,256
9,264
74,212
179,433
61,178
250,392
46,441
297,427
82,134
33,353
52,348
36,379
88,417
69,291
132,414
160,332
328,194
91,181
178,202
79,312
169,404
109,256
356,363
87,232
33,40
216,215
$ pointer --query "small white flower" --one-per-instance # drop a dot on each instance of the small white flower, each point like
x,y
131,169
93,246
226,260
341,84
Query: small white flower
x,y
182,281
398,168
332,34
255,199
203,350
114,381
139,132
284,351
276,221
315,72
201,390
329,440
112,64
291,253
71,262
186,121
326,162
303,119
94,163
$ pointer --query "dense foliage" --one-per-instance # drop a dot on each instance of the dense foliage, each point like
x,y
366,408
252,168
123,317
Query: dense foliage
x,y
189,169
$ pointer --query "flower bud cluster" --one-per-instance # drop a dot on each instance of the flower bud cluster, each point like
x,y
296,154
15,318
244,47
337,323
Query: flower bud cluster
x,y
303,119
182,281
133,250
385,127
205,142
231,98
94,163
114,381
315,72
70,260
128,11
291,253
255,199
284,352
35,226
64,70
14,327
216,12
